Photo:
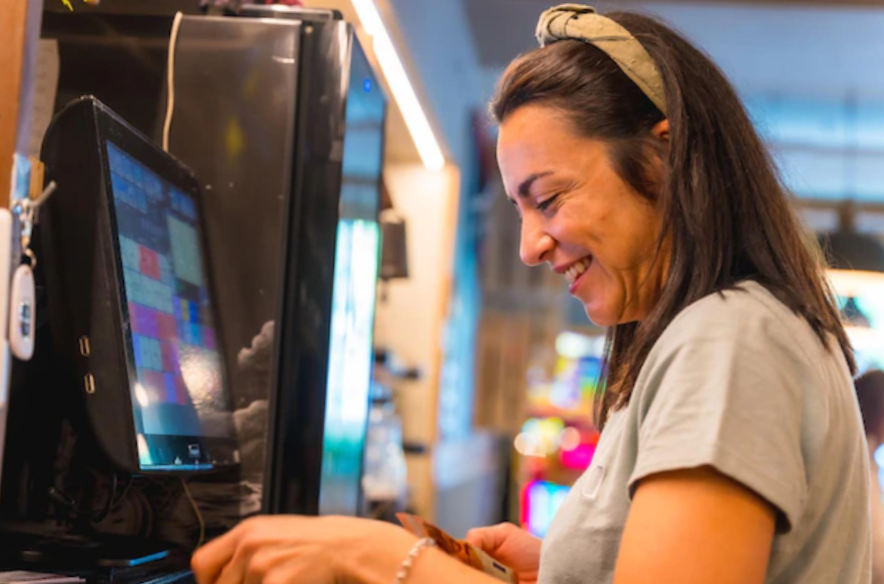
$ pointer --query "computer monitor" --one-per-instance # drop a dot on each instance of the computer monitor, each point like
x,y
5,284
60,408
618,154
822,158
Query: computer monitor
x,y
293,204
357,254
130,295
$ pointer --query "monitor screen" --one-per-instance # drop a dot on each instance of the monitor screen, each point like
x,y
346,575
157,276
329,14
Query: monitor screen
x,y
179,396
353,296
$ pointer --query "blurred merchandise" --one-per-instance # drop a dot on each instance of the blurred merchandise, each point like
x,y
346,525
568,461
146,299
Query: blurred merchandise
x,y
864,322
856,271
855,259
558,439
540,501
394,254
385,476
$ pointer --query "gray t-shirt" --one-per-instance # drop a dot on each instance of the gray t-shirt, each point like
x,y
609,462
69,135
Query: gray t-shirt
x,y
740,383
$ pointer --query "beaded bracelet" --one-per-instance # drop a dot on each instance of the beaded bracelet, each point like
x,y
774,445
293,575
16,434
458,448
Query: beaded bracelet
x,y
405,568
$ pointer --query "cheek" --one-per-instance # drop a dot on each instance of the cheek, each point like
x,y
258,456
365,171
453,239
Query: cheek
x,y
581,226
630,238
619,235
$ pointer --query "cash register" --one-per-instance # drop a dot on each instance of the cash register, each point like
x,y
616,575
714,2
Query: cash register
x,y
134,325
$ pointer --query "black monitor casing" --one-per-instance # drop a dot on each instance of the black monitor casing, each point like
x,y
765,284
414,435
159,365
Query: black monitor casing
x,y
84,277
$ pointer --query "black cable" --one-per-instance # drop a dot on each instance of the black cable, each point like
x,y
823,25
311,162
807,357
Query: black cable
x,y
123,493
111,494
69,503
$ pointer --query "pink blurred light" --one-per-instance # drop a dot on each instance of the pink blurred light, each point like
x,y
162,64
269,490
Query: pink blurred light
x,y
578,458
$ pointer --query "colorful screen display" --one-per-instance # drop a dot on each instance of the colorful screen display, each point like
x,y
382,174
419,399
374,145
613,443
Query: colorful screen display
x,y
353,296
179,394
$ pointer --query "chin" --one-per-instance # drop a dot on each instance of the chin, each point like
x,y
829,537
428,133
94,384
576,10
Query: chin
x,y
601,315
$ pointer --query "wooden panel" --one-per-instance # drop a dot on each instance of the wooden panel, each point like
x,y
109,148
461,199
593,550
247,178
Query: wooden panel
x,y
505,348
13,26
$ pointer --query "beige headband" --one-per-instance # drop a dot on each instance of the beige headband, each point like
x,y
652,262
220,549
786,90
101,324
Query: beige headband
x,y
578,22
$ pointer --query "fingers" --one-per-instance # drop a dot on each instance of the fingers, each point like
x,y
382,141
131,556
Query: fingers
x,y
254,551
264,563
477,537
208,562
489,539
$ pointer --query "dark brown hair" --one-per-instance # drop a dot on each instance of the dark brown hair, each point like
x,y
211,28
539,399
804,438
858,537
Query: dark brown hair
x,y
727,216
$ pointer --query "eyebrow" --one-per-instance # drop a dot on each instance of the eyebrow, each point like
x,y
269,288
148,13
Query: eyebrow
x,y
525,188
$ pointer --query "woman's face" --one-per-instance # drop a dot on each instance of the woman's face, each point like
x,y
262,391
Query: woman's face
x,y
580,217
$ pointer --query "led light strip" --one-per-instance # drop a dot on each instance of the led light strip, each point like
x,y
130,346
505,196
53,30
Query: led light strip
x,y
403,92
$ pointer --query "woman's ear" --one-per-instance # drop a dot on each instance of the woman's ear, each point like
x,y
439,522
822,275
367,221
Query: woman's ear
x,y
661,131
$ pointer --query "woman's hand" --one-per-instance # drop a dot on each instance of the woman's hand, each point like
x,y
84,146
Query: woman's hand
x,y
510,546
320,550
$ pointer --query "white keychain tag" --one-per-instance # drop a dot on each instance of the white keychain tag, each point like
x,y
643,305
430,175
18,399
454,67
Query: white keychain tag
x,y
21,313
22,296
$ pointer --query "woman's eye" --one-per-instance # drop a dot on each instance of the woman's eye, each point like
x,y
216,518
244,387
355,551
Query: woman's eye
x,y
547,203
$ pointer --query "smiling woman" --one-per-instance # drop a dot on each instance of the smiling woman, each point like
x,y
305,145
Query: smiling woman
x,y
572,120
639,177
732,449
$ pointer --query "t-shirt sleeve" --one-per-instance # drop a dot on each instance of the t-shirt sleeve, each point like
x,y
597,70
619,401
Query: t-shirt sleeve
x,y
724,389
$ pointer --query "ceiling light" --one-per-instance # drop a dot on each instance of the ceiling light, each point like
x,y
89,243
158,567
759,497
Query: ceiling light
x,y
403,92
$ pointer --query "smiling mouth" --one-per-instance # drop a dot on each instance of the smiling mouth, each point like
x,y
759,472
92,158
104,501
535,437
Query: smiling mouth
x,y
573,273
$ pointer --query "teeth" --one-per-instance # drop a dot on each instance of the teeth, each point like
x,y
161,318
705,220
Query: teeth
x,y
574,272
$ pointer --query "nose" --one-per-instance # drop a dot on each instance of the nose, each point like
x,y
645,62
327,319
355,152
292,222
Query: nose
x,y
536,244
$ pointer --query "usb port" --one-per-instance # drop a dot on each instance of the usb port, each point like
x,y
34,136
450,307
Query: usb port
x,y
84,346
90,383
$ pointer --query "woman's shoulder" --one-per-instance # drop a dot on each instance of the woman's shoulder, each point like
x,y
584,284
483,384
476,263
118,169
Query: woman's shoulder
x,y
745,306
743,337
747,313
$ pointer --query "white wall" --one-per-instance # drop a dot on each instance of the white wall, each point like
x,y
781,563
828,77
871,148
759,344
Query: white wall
x,y
409,322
